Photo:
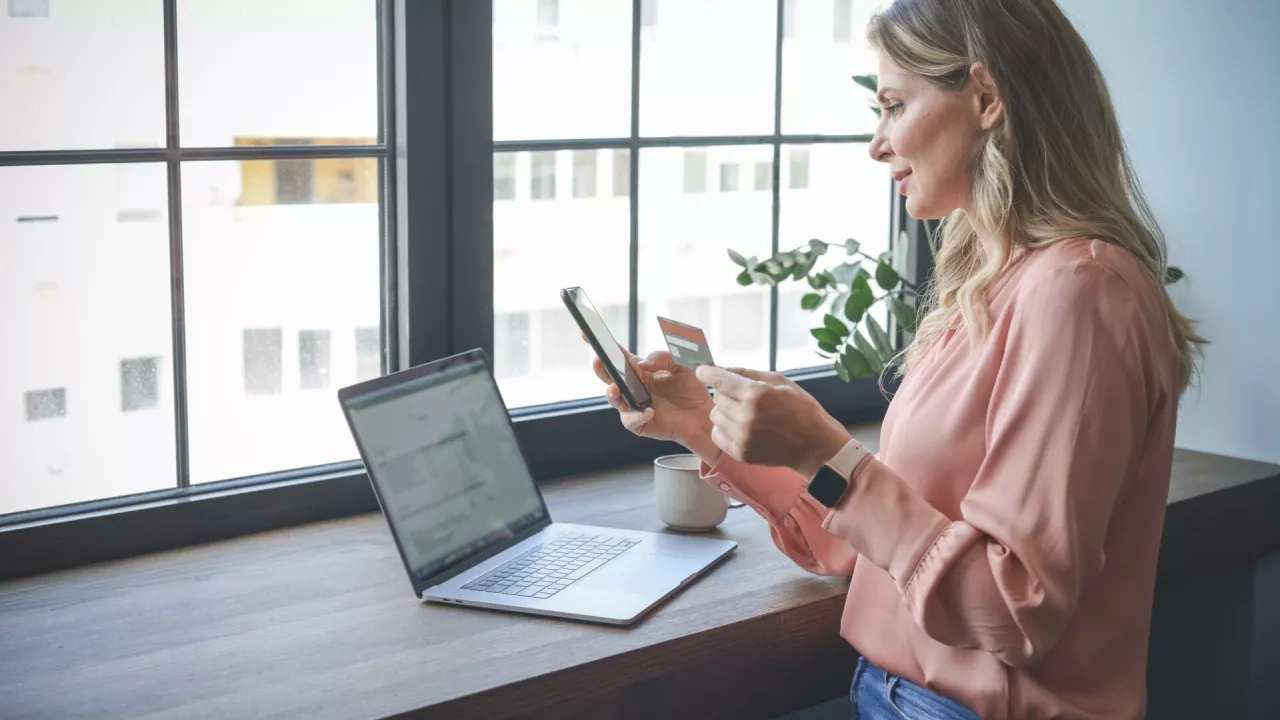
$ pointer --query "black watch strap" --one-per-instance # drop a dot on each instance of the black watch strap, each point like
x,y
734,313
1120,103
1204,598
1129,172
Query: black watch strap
x,y
828,486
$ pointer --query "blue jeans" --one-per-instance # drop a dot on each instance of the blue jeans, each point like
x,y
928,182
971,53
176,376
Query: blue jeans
x,y
878,695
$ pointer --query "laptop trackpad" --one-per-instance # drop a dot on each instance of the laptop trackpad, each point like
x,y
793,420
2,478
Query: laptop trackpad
x,y
641,573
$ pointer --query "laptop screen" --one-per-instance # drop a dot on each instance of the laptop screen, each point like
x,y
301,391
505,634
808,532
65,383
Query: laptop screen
x,y
450,475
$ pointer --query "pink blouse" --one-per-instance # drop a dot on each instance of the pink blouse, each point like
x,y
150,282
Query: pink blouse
x,y
1002,544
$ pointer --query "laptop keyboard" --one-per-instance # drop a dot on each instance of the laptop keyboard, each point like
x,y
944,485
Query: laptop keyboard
x,y
552,567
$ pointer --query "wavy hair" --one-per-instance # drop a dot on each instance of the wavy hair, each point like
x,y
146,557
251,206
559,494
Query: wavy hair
x,y
1054,167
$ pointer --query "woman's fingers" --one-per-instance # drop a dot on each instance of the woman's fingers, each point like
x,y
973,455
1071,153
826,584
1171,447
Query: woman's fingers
x,y
598,368
631,419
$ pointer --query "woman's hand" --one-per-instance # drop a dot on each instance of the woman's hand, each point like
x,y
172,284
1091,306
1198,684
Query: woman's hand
x,y
763,418
680,409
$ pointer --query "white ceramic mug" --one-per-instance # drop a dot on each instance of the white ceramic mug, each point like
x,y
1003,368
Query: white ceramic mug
x,y
685,501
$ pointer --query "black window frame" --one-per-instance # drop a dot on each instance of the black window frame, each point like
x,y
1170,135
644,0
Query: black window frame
x,y
435,147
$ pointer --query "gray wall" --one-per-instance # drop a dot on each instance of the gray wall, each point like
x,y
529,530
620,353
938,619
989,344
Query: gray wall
x,y
1195,84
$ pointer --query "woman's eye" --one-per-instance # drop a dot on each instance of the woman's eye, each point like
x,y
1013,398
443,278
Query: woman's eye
x,y
893,108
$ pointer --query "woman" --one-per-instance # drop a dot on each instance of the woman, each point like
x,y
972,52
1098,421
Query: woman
x,y
1002,545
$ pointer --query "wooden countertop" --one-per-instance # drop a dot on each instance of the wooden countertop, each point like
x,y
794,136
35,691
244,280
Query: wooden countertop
x,y
319,621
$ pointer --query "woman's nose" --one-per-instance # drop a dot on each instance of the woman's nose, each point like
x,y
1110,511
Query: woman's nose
x,y
879,149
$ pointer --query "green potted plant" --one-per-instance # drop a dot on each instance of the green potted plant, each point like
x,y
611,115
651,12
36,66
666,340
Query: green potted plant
x,y
845,292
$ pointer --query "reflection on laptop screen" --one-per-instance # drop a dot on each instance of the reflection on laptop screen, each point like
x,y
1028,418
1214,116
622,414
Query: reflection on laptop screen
x,y
445,460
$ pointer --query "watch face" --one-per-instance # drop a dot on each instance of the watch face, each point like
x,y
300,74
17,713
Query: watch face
x,y
828,486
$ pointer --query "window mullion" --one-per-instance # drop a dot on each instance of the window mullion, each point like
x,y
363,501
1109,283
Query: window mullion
x,y
775,191
633,301
173,167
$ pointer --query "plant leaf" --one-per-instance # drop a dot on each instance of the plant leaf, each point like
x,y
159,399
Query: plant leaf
x,y
810,301
868,352
905,315
737,258
785,259
845,272
886,277
834,325
1173,274
870,82
817,247
824,335
862,289
827,347
856,364
851,246
753,262
880,338
762,278
802,269
842,371
744,278
854,308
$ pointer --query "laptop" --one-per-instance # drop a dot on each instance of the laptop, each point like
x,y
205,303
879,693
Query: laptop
x,y
469,521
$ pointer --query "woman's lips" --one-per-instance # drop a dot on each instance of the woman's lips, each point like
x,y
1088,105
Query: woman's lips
x,y
901,178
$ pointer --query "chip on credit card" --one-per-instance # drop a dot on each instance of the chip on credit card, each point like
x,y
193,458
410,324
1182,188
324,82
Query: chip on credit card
x,y
688,344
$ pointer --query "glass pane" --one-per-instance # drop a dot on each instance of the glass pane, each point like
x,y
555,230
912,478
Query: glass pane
x,y
830,192
685,271
543,243
825,46
561,69
707,68
283,305
86,396
254,72
78,59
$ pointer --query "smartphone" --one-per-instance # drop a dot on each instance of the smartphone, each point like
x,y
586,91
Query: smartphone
x,y
611,355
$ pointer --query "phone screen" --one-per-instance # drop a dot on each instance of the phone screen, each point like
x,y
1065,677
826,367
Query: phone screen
x,y
613,352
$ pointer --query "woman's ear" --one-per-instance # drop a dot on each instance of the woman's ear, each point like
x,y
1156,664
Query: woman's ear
x,y
988,103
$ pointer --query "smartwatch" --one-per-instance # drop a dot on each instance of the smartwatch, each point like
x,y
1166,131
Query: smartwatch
x,y
832,481
828,486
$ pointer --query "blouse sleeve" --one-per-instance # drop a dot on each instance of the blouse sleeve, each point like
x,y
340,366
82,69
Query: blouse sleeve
x,y
795,519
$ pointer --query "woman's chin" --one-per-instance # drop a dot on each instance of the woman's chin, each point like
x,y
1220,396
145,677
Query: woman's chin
x,y
920,209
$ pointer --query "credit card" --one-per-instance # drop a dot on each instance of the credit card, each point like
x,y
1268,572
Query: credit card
x,y
688,344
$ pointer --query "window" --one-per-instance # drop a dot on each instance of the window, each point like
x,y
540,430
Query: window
x,y
45,404
263,362
763,173
748,329
511,347
548,19
504,176
584,173
313,359
818,96
621,172
798,166
695,171
368,353
308,257
542,181
307,181
842,21
577,107
139,384
28,8
649,13
729,177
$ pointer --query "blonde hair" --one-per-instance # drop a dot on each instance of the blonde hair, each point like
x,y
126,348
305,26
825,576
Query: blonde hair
x,y
1054,167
